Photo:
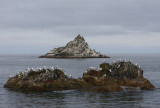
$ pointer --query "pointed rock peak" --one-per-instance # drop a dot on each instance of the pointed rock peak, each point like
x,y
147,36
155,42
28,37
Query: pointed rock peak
x,y
77,48
79,37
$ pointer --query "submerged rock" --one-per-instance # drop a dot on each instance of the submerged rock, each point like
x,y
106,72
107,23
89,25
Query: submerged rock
x,y
108,78
78,48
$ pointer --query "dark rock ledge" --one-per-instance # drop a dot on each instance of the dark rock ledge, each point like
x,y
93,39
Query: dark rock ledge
x,y
116,77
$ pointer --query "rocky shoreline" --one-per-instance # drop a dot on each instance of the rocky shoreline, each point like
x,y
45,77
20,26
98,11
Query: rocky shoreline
x,y
78,48
115,77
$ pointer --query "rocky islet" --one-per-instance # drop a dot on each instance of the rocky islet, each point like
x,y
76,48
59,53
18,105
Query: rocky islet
x,y
113,77
78,48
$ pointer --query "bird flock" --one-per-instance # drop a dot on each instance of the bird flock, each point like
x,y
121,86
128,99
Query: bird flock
x,y
42,74
54,72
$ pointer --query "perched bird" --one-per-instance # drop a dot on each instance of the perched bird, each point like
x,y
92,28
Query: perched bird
x,y
100,69
118,66
57,67
130,60
110,70
70,76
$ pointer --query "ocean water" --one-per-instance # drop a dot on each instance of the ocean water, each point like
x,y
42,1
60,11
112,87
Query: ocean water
x,y
11,64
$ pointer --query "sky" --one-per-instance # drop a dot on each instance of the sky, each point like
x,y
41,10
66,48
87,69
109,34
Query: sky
x,y
109,26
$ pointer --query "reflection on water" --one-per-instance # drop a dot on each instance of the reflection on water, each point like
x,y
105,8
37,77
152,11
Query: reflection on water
x,y
77,99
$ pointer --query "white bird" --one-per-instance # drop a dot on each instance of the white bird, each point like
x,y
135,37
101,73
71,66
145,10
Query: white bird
x,y
110,70
139,66
100,69
118,66
136,64
10,76
70,76
57,67
91,68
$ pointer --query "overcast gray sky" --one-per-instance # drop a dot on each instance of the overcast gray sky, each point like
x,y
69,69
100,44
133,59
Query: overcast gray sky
x,y
109,26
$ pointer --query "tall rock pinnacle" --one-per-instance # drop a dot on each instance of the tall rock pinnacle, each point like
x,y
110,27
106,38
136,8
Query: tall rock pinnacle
x,y
78,48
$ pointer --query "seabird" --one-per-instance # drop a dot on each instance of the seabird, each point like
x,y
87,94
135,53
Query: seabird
x,y
57,67
118,66
70,76
100,69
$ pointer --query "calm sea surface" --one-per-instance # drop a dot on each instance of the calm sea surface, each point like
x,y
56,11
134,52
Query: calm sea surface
x,y
10,65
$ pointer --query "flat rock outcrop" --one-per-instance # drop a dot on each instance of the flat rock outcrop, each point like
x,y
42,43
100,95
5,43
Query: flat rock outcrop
x,y
114,77
78,48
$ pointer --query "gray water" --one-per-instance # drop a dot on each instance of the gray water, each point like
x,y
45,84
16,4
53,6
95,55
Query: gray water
x,y
10,65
